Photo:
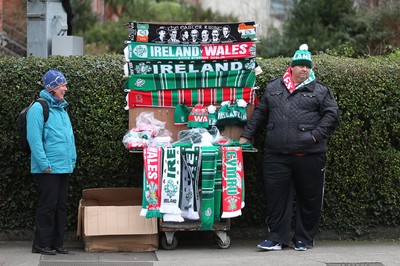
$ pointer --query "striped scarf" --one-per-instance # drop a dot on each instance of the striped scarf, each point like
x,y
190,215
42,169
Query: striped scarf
x,y
190,97
171,81
208,171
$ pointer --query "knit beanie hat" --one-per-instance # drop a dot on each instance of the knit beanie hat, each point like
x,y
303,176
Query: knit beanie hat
x,y
53,79
181,115
302,57
232,114
225,115
198,117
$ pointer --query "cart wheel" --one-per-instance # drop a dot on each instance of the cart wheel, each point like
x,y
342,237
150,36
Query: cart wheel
x,y
222,244
165,245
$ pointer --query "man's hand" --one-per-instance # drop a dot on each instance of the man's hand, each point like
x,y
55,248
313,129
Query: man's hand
x,y
243,140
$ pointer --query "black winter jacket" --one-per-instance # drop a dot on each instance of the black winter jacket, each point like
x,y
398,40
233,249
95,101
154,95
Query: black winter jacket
x,y
293,118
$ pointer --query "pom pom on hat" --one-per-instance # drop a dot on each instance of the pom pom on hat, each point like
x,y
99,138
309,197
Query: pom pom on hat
x,y
302,57
212,115
53,79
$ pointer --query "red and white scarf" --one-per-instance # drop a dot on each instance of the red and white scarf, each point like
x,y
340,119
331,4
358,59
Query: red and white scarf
x,y
232,182
152,160
289,83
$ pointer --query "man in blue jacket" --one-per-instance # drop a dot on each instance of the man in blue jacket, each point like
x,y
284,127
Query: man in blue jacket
x,y
299,114
53,158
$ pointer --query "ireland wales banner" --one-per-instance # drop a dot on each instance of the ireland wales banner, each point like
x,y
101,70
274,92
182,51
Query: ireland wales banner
x,y
154,51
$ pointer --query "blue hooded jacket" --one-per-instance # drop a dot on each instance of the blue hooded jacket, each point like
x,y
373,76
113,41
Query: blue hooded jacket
x,y
52,144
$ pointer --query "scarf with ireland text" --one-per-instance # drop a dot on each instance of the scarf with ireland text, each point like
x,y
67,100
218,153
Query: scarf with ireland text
x,y
152,161
170,193
289,83
181,66
232,182
190,97
208,171
191,80
190,199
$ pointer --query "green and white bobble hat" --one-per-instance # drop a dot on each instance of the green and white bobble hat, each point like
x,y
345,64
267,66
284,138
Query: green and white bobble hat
x,y
302,57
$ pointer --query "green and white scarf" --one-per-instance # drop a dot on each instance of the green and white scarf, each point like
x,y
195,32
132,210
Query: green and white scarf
x,y
172,81
187,66
208,171
209,51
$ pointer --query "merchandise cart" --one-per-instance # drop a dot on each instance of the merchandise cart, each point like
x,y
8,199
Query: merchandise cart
x,y
206,74
168,240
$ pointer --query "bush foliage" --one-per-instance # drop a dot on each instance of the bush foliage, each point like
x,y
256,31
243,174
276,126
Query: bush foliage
x,y
363,172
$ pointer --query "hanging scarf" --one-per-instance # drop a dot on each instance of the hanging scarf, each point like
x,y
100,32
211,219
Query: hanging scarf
x,y
155,51
172,81
218,186
170,193
208,171
190,199
289,83
152,159
148,32
190,97
186,66
232,182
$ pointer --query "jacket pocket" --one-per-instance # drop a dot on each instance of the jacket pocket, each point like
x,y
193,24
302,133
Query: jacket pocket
x,y
306,127
304,136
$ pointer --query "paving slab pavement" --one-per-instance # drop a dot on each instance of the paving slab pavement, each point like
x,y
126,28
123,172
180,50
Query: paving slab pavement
x,y
200,252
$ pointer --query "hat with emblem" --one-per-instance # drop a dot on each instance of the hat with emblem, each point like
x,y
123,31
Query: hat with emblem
x,y
53,79
302,57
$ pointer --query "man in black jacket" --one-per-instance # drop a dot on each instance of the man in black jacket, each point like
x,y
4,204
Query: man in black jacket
x,y
300,114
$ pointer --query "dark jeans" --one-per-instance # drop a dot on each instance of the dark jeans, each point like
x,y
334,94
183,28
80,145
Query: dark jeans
x,y
286,175
51,212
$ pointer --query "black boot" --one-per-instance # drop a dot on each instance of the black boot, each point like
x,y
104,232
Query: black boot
x,y
43,250
61,250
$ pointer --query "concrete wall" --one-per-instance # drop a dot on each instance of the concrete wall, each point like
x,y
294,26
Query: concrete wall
x,y
250,10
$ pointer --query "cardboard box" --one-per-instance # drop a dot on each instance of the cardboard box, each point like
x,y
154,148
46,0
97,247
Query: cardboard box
x,y
166,114
109,220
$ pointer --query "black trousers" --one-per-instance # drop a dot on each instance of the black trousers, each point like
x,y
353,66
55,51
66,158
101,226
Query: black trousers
x,y
51,212
288,175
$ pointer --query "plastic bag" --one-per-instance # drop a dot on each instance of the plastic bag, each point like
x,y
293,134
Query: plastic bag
x,y
198,136
149,131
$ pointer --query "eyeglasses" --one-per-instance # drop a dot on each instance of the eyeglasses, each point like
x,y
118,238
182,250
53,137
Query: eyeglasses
x,y
59,80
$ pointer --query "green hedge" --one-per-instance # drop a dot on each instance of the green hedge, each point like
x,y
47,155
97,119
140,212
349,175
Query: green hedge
x,y
363,172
